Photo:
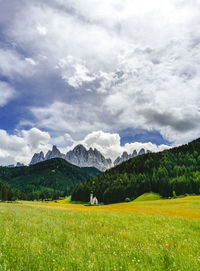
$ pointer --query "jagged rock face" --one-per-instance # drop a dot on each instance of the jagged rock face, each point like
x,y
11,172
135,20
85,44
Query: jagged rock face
x,y
82,157
54,153
134,153
10,166
79,156
19,164
125,156
117,161
37,158
142,151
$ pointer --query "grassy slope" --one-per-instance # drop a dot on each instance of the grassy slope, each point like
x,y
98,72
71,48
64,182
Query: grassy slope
x,y
102,239
55,173
148,196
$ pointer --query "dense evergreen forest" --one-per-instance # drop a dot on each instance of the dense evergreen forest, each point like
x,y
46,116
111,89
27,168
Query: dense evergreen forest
x,y
49,179
171,172
9,194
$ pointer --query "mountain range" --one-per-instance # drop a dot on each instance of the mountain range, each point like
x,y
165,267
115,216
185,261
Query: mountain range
x,y
125,156
82,157
79,156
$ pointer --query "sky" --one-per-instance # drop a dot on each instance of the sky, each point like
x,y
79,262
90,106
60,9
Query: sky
x,y
111,74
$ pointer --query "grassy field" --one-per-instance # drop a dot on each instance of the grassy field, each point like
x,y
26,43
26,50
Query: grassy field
x,y
141,235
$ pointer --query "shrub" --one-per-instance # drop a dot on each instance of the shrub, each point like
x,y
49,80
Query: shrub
x,y
174,194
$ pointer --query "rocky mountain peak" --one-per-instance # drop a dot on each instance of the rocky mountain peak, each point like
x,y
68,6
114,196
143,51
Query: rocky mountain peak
x,y
55,149
125,156
54,153
79,149
134,153
142,151
82,157
19,164
37,158
11,166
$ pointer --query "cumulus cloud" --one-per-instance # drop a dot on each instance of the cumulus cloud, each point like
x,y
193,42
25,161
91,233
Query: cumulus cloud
x,y
74,72
34,137
109,144
21,146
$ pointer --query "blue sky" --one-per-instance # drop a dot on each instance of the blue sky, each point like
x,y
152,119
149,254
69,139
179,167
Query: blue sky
x,y
109,74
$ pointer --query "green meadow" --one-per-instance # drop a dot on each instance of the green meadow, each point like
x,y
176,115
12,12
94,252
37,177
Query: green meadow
x,y
148,196
62,236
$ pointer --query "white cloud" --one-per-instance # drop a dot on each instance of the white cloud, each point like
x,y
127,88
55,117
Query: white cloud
x,y
34,137
74,72
63,117
13,65
42,30
6,93
31,61
109,144
21,146
159,97
63,141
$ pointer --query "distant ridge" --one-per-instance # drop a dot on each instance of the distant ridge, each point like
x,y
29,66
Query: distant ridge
x,y
125,156
79,156
82,157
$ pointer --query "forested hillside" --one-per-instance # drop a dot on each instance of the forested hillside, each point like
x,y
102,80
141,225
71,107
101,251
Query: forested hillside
x,y
7,193
49,179
174,171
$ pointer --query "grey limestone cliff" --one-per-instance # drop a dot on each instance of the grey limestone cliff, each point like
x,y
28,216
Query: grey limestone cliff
x,y
82,157
37,158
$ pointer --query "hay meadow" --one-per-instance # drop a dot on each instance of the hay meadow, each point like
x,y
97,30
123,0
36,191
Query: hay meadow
x,y
141,235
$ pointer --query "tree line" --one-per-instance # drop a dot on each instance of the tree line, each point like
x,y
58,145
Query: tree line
x,y
9,194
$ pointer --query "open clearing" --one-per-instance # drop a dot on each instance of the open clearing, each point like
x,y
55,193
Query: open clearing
x,y
141,235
